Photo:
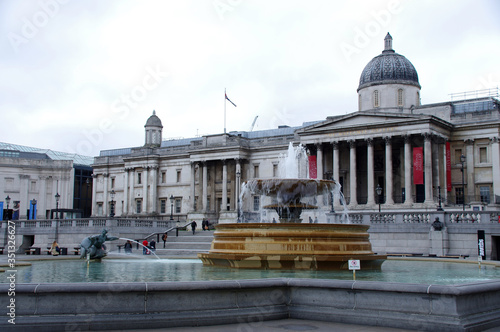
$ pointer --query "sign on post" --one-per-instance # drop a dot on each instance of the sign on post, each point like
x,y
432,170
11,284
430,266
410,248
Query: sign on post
x,y
354,265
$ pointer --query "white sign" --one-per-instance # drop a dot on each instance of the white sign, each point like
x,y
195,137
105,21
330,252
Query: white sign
x,y
354,264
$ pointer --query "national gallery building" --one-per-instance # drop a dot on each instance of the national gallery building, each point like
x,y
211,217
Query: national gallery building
x,y
393,153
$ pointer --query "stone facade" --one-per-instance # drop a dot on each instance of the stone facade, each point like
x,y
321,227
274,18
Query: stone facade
x,y
374,147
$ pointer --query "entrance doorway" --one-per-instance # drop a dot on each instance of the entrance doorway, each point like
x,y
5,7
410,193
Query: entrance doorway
x,y
495,248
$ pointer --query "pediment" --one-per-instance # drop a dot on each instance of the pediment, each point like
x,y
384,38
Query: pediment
x,y
362,120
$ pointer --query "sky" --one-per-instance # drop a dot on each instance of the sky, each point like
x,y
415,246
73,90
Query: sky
x,y
84,76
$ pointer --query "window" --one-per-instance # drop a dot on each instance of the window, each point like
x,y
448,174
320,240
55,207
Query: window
x,y
376,101
458,153
178,205
459,195
255,171
256,203
163,177
359,102
400,97
484,191
418,98
275,170
178,175
112,183
483,157
195,207
99,209
163,205
139,178
33,186
138,206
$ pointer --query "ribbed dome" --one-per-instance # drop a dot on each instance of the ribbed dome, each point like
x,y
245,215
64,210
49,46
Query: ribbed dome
x,y
388,67
153,121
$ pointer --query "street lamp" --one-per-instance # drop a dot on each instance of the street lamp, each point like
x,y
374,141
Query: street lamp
x,y
33,203
57,196
7,200
379,192
462,160
112,195
238,176
172,198
440,208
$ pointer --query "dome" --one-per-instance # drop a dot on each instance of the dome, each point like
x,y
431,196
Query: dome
x,y
153,121
388,68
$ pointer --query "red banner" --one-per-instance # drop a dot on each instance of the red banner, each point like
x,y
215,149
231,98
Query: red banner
x,y
313,168
448,167
418,165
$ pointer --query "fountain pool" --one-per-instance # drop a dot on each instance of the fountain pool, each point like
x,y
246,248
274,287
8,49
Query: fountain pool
x,y
154,270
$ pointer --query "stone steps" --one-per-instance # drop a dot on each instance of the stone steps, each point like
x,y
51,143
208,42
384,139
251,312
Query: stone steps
x,y
186,244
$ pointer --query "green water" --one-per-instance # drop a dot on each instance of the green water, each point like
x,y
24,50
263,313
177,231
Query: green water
x,y
153,270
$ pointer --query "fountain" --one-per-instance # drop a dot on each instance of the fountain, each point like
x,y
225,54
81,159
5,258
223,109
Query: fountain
x,y
291,244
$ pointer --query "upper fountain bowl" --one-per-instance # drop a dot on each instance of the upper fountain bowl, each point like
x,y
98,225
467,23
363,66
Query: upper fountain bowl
x,y
289,191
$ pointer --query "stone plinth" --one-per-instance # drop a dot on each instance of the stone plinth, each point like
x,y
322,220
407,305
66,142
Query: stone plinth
x,y
291,246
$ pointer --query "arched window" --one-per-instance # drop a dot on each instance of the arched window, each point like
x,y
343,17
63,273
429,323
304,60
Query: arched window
x,y
376,101
400,97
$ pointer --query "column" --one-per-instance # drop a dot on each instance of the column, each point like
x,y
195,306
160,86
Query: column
x,y
154,188
192,188
42,200
495,163
94,194
224,186
371,175
408,168
428,168
389,188
125,192
131,192
105,195
352,174
444,191
145,190
205,187
24,198
319,161
469,180
336,172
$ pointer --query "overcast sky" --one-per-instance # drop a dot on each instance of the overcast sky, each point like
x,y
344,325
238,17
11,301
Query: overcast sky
x,y
84,76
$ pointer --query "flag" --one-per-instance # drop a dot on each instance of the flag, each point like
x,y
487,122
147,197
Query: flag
x,y
229,100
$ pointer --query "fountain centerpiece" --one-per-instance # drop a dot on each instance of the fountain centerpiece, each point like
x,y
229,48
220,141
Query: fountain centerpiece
x,y
291,244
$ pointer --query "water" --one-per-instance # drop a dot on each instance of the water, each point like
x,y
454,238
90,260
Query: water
x,y
154,270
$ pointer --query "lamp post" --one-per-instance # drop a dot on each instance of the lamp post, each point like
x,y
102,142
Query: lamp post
x,y
7,200
379,192
440,208
112,195
33,204
57,196
238,176
462,161
172,207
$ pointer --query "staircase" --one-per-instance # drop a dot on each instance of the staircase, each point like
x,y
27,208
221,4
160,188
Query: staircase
x,y
186,245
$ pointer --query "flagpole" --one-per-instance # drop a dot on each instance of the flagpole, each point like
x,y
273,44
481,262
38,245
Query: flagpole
x,y
224,110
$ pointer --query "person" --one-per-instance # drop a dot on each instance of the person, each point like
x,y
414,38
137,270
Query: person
x,y
152,245
315,220
164,238
54,249
128,247
204,224
145,250
193,226
274,220
310,220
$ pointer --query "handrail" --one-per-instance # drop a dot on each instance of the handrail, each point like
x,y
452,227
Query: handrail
x,y
168,230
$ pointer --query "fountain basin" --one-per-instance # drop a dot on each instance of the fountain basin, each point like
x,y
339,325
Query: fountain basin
x,y
291,246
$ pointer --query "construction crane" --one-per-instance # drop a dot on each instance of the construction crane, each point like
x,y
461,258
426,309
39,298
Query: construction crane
x,y
253,123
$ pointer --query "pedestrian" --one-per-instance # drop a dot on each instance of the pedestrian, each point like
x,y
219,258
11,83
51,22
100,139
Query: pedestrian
x,y
54,249
274,220
152,245
145,250
310,220
204,225
164,238
128,247
193,226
